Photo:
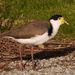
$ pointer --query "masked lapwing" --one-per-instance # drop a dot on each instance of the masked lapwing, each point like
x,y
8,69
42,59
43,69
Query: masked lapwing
x,y
36,32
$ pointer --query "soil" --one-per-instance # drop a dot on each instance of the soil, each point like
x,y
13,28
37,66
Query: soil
x,y
57,58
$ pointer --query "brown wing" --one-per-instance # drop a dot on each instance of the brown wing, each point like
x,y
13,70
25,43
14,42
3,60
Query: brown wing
x,y
29,30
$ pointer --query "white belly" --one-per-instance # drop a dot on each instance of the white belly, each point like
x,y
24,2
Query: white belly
x,y
39,39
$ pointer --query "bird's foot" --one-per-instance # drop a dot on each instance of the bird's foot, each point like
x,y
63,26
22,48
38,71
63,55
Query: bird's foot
x,y
20,66
34,65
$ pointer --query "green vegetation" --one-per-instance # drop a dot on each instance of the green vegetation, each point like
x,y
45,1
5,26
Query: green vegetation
x,y
25,10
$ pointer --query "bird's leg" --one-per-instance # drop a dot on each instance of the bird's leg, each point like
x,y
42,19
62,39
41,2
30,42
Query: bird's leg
x,y
21,60
32,57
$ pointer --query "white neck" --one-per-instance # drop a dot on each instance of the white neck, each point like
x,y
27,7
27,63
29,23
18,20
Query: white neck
x,y
56,24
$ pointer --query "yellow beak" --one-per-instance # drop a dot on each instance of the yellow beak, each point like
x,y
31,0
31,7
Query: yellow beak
x,y
66,22
62,20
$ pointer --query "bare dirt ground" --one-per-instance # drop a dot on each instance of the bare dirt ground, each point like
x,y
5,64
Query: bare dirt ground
x,y
57,58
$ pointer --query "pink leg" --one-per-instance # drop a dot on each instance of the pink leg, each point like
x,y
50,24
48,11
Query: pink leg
x,y
32,57
21,60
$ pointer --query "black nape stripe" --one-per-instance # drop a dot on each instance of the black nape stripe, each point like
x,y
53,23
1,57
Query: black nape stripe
x,y
50,30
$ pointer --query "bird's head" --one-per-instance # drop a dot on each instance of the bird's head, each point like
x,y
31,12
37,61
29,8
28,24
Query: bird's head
x,y
58,19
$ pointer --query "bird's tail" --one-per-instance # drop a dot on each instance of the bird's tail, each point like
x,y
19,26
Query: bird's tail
x,y
9,37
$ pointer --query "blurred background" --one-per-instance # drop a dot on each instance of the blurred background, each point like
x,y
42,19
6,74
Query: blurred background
x,y
14,13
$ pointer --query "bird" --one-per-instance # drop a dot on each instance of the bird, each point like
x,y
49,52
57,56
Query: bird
x,y
36,33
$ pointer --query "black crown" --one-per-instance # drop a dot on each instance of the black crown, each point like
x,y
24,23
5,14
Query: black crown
x,y
55,17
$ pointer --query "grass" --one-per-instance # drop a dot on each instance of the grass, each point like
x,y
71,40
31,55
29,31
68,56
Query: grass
x,y
24,10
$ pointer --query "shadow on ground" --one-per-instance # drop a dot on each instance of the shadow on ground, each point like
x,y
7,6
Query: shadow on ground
x,y
51,54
